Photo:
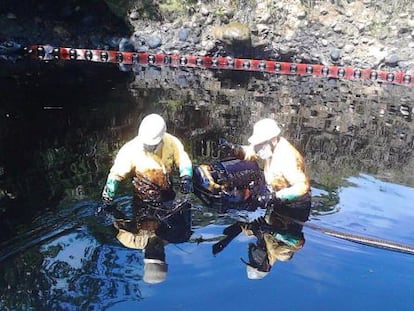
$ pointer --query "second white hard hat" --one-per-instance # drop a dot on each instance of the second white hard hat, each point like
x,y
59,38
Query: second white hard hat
x,y
264,130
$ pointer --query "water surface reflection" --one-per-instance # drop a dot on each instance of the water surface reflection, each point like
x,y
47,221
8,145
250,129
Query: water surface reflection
x,y
357,141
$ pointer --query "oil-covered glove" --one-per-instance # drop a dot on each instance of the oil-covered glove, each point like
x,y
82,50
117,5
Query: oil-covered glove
x,y
186,184
109,190
267,198
105,208
108,195
270,201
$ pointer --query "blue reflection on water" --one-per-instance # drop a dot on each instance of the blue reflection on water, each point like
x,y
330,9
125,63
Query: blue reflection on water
x,y
328,273
375,207
84,273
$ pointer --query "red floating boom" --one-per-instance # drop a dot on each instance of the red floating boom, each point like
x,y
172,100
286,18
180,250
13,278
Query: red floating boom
x,y
46,52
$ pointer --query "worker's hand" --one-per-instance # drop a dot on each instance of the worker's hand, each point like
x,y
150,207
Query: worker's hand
x,y
106,197
265,199
108,193
104,207
186,184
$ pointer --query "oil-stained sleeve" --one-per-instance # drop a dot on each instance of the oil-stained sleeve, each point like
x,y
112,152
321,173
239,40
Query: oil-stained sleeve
x,y
294,173
249,153
182,159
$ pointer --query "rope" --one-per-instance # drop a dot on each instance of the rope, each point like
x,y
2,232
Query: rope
x,y
47,52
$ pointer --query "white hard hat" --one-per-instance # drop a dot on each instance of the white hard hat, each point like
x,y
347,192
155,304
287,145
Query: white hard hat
x,y
155,271
152,129
264,130
255,274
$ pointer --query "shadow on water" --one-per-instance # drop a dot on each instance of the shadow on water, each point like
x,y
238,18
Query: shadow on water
x,y
62,124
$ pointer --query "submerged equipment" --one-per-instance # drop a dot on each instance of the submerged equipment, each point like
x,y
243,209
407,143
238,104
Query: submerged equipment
x,y
228,182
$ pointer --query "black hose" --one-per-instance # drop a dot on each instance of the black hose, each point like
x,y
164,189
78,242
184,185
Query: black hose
x,y
361,239
370,241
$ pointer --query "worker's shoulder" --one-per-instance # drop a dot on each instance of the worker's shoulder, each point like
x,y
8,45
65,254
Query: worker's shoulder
x,y
286,147
170,138
134,144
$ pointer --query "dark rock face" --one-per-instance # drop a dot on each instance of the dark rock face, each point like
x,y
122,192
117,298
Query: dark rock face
x,y
61,23
343,33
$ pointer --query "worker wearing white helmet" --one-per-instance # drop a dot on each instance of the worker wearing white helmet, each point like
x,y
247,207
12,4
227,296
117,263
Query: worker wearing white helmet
x,y
284,166
150,158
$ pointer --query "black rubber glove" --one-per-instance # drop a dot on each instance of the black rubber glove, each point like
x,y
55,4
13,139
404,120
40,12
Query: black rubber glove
x,y
104,207
106,199
265,199
106,203
186,184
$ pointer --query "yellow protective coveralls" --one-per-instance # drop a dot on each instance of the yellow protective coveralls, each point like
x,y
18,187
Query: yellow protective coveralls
x,y
154,167
134,240
284,171
278,251
138,234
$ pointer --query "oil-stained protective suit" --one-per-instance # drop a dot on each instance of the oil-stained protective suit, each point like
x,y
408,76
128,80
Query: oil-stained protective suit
x,y
151,170
284,171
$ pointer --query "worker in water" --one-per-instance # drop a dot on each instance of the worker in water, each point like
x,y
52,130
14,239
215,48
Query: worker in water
x,y
150,158
283,165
